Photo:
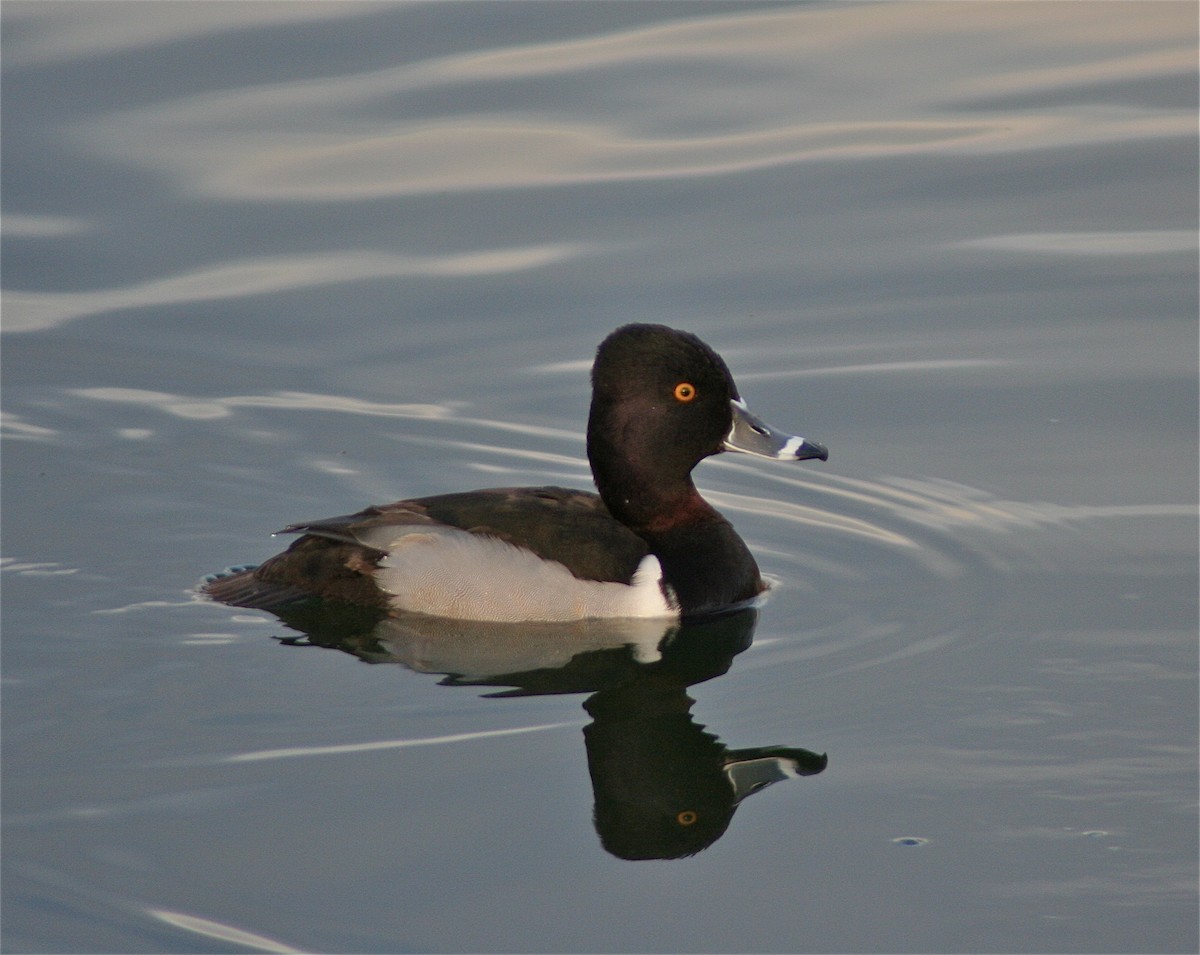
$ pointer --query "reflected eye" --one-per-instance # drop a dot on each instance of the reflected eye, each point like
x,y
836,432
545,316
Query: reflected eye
x,y
685,391
686,818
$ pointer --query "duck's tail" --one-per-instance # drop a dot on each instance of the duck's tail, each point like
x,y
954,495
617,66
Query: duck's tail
x,y
241,587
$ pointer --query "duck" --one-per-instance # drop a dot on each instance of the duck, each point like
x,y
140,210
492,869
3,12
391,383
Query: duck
x,y
644,545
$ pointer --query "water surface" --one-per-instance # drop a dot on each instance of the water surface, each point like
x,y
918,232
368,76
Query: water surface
x,y
268,263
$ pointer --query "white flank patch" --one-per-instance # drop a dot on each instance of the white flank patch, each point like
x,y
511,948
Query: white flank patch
x,y
446,572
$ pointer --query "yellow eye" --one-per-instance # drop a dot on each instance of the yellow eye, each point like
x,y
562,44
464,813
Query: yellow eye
x,y
686,818
685,391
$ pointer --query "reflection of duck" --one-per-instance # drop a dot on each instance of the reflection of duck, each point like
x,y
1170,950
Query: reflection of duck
x,y
647,546
664,787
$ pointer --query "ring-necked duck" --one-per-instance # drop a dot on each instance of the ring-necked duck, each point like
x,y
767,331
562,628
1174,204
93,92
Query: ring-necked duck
x,y
647,546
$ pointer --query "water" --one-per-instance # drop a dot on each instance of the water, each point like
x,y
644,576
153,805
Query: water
x,y
267,263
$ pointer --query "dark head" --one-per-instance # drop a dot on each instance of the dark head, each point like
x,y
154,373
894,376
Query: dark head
x,y
660,398
662,401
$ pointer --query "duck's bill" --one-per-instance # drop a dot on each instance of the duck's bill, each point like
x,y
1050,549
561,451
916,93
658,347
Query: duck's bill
x,y
754,436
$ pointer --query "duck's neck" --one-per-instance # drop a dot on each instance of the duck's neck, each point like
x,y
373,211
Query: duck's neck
x,y
646,497
702,557
652,511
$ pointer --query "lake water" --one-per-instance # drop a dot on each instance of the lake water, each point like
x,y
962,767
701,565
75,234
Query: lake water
x,y
272,262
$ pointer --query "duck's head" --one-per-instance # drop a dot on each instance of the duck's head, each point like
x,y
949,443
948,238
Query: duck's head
x,y
662,401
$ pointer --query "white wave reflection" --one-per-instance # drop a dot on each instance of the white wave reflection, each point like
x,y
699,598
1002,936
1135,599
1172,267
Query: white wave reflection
x,y
879,368
15,225
36,311
191,600
53,32
506,153
1089,243
749,74
575,366
577,462
293,751
222,932
811,516
207,408
14,426
35,568
936,523
943,505
183,406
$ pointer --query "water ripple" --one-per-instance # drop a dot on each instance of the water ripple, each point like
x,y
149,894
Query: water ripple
x,y
222,932
338,750
1088,243
940,525
739,99
37,311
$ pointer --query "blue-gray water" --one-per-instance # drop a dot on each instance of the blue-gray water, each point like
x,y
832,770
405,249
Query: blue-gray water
x,y
272,262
